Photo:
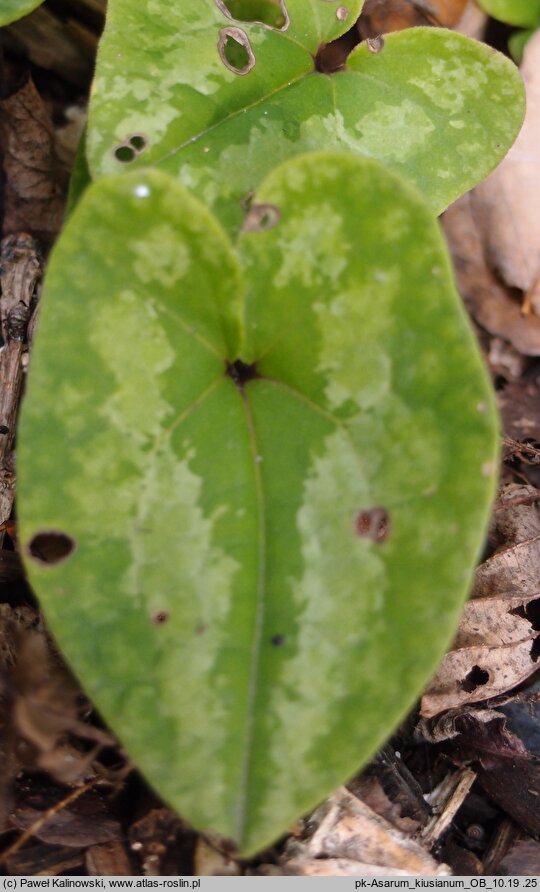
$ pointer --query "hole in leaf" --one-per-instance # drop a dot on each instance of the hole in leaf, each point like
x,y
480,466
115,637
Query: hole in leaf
x,y
51,547
278,640
261,217
271,13
235,50
375,44
373,524
125,154
4,429
159,617
474,679
240,372
535,650
531,612
138,142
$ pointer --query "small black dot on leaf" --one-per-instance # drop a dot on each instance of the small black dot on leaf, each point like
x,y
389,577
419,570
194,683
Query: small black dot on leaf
x,y
278,640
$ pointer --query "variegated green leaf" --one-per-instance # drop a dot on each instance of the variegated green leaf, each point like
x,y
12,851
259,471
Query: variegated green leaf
x,y
433,105
251,505
11,10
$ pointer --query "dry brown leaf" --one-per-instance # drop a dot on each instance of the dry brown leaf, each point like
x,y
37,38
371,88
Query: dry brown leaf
x,y
43,860
382,16
523,859
493,652
85,823
492,304
348,829
45,713
33,195
519,404
506,204
497,645
506,770
109,859
512,568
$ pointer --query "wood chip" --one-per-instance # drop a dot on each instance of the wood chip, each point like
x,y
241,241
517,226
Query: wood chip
x,y
110,859
348,829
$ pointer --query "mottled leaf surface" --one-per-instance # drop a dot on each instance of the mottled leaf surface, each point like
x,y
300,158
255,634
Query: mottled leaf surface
x,y
433,105
269,556
11,10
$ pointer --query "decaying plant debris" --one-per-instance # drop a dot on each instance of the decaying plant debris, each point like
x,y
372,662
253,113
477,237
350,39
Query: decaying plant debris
x,y
457,789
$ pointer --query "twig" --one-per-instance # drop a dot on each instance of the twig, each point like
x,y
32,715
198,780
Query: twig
x,y
46,816
530,499
516,446
451,794
20,272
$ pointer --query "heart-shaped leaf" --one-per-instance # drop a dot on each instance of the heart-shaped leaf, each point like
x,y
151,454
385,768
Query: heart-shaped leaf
x,y
11,10
217,102
252,512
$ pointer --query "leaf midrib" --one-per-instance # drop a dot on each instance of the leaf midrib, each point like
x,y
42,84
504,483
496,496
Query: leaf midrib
x,y
260,610
232,115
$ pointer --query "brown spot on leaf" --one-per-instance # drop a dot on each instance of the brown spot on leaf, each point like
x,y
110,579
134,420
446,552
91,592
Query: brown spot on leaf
x,y
235,50
373,524
51,547
375,44
160,617
261,217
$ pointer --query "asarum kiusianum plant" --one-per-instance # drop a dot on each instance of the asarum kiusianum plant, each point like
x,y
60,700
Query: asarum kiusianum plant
x,y
258,446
